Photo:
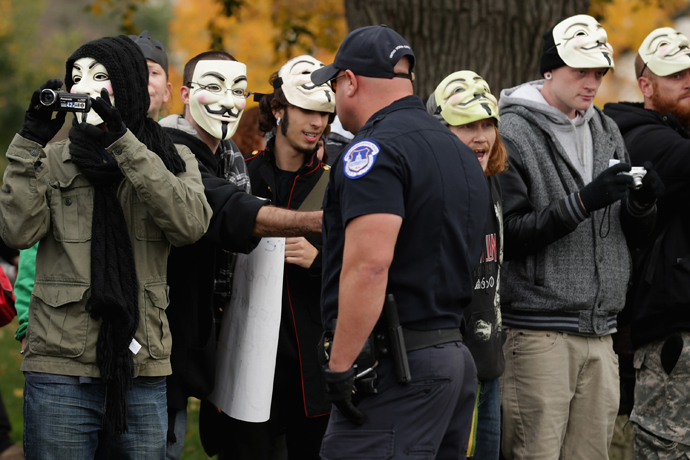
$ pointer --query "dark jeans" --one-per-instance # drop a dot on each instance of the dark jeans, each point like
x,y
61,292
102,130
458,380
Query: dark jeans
x,y
426,419
5,427
488,422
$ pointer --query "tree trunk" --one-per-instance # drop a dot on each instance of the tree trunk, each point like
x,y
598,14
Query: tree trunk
x,y
501,40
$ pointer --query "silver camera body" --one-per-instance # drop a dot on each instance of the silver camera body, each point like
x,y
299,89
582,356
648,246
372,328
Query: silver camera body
x,y
637,173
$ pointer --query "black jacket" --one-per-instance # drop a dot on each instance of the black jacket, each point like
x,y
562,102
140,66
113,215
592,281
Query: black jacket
x,y
300,328
191,274
659,301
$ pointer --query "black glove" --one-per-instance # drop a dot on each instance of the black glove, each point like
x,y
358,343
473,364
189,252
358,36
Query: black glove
x,y
652,187
39,125
339,387
110,116
607,188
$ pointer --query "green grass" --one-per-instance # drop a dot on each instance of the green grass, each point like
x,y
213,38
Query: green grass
x,y
12,386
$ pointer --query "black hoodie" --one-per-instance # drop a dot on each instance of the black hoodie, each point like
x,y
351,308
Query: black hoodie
x,y
658,302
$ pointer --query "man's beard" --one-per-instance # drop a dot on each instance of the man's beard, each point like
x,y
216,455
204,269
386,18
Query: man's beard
x,y
284,129
669,104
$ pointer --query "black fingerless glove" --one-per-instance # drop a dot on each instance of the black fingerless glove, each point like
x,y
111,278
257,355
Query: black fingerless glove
x,y
607,188
652,187
339,388
39,125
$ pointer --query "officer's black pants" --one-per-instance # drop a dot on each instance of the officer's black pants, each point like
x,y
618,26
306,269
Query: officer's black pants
x,y
428,418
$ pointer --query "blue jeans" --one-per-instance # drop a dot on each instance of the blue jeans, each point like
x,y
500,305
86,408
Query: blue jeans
x,y
488,422
64,421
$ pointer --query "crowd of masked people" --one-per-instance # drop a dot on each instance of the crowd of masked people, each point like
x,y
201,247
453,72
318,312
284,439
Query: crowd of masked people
x,y
459,273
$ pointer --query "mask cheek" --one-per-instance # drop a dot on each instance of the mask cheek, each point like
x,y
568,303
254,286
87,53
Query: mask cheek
x,y
241,104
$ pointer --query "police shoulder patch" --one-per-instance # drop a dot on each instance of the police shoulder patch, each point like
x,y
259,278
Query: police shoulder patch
x,y
360,158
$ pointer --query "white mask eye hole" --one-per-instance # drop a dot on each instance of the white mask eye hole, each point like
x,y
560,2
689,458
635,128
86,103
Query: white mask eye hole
x,y
100,76
76,78
458,90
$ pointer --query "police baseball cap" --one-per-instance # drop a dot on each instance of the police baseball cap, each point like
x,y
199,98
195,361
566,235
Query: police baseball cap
x,y
152,49
371,51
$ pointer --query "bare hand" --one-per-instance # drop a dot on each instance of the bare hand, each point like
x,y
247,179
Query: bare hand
x,y
300,252
23,345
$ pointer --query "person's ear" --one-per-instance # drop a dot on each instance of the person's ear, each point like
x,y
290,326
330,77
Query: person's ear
x,y
350,84
184,95
645,85
278,113
168,93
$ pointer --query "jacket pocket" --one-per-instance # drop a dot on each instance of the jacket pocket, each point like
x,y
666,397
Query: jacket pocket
x,y
72,213
156,300
539,268
145,228
59,320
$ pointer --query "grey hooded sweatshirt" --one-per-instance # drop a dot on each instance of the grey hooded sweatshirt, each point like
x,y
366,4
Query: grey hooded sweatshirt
x,y
565,269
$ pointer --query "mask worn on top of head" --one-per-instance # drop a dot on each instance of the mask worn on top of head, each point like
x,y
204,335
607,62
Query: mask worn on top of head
x,y
582,43
217,96
665,51
464,97
90,77
295,79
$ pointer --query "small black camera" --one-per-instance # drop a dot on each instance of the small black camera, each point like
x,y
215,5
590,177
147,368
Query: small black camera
x,y
65,102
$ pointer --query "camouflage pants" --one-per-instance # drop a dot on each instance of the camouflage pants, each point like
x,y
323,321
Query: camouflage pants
x,y
650,447
662,399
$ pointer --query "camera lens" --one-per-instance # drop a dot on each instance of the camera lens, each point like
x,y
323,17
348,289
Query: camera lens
x,y
48,97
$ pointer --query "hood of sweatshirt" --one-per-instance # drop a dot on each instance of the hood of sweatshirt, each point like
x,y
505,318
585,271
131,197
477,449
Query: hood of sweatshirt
x,y
574,136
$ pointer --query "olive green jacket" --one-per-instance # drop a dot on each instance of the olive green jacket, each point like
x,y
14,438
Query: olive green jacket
x,y
45,197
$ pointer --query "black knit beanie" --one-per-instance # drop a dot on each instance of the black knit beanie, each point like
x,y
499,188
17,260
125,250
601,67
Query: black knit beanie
x,y
550,59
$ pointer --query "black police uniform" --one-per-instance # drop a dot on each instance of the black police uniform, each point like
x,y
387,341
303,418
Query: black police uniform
x,y
404,162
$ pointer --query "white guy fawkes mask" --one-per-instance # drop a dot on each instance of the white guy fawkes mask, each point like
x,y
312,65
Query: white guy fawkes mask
x,y
665,51
89,77
298,88
582,43
464,97
217,96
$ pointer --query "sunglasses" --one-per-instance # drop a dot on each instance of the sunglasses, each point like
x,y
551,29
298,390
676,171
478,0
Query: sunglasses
x,y
334,83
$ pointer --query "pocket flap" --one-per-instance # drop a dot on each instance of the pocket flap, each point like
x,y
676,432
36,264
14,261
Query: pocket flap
x,y
57,295
158,293
638,358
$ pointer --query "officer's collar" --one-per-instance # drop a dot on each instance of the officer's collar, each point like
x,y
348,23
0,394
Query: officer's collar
x,y
407,102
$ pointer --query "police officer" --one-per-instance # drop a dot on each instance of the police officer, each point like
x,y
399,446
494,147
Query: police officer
x,y
404,215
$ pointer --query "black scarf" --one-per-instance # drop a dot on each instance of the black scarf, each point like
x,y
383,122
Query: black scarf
x,y
114,287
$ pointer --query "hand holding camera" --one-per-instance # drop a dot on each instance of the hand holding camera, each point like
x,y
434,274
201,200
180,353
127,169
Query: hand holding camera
x,y
39,124
607,188
110,116
651,187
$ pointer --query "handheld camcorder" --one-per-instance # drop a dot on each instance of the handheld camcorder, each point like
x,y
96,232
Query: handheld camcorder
x,y
65,102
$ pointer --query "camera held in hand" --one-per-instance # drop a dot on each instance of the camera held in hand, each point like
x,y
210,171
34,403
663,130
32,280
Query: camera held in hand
x,y
65,102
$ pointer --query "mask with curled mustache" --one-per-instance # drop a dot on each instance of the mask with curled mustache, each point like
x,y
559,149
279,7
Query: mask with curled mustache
x,y
582,43
217,96
464,97
665,51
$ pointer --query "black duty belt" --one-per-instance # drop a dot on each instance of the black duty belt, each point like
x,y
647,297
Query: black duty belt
x,y
416,340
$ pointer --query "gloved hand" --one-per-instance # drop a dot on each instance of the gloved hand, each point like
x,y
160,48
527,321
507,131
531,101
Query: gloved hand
x,y
607,188
339,386
652,187
39,125
111,117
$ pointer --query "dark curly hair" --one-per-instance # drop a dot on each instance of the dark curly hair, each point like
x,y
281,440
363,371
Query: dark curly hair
x,y
275,101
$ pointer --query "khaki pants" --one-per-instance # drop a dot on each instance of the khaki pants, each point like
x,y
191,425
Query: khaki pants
x,y
559,395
